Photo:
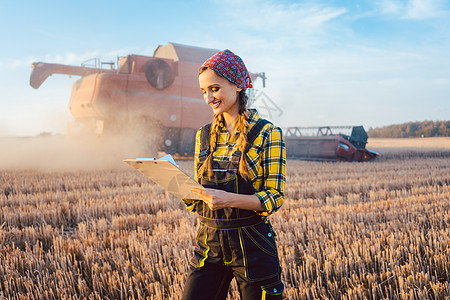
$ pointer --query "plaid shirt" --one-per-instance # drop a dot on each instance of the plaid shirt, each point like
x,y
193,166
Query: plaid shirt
x,y
266,159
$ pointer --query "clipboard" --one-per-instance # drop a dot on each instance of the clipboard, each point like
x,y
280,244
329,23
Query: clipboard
x,y
167,175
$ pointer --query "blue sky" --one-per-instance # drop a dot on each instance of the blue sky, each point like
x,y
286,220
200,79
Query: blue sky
x,y
370,63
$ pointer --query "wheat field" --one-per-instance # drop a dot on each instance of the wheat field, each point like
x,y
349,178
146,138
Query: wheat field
x,y
410,147
374,230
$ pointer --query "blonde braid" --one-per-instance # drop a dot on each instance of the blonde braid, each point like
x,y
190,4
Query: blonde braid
x,y
241,143
215,127
241,126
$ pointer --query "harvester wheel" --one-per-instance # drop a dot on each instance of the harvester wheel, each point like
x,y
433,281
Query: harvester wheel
x,y
159,74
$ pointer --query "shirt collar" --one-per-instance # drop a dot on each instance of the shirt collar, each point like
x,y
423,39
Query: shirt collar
x,y
253,116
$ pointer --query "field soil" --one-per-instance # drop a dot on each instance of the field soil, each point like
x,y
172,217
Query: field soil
x,y
75,227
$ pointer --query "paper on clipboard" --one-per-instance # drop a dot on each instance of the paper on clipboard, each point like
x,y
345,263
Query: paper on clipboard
x,y
166,173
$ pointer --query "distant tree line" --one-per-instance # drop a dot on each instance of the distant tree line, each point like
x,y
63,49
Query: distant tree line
x,y
412,129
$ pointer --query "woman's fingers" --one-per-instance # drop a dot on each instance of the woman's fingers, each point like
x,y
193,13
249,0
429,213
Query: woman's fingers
x,y
197,190
209,196
200,193
215,199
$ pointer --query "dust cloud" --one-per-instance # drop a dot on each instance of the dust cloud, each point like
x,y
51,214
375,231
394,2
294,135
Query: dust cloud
x,y
66,153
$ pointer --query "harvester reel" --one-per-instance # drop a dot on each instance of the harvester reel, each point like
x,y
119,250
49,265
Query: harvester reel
x,y
159,74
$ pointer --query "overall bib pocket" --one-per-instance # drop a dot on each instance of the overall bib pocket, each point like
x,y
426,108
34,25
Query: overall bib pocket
x,y
221,176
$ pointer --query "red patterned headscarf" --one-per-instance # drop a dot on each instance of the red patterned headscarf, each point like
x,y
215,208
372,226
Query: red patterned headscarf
x,y
230,66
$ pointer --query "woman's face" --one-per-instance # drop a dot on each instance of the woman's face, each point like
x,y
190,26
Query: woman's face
x,y
219,93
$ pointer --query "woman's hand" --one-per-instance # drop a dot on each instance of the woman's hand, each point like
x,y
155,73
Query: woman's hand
x,y
215,199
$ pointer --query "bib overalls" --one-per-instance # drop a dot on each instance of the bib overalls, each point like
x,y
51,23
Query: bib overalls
x,y
232,242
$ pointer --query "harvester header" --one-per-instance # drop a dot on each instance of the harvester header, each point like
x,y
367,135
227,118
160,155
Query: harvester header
x,y
329,143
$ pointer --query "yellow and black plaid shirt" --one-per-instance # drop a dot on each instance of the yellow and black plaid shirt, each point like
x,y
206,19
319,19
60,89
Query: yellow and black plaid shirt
x,y
266,159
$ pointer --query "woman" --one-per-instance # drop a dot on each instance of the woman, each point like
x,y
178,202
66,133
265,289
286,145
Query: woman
x,y
240,160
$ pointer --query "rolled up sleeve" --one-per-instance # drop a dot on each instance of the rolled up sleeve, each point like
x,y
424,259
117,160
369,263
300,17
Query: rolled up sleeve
x,y
273,164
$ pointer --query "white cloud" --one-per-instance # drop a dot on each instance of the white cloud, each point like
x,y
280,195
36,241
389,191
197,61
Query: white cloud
x,y
390,6
317,17
281,24
69,58
423,9
413,9
16,63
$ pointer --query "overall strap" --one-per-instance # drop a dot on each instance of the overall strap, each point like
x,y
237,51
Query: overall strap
x,y
254,132
251,136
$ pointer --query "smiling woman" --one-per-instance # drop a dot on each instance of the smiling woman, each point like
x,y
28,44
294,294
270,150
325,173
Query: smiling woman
x,y
240,160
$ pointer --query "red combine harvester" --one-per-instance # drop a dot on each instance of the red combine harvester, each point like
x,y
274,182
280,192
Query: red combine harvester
x,y
157,99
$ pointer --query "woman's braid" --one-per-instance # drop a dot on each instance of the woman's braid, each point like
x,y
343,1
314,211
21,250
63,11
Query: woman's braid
x,y
241,126
215,127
